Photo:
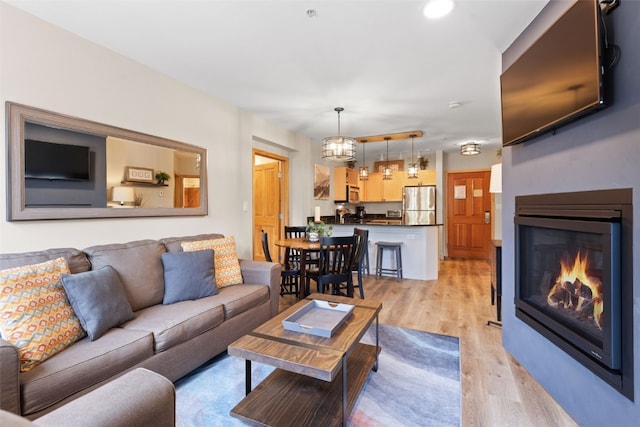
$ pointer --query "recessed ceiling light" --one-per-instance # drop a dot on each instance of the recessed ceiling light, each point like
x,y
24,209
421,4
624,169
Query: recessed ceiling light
x,y
455,104
437,8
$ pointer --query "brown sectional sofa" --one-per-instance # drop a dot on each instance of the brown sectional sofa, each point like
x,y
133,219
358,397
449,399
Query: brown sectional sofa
x,y
171,340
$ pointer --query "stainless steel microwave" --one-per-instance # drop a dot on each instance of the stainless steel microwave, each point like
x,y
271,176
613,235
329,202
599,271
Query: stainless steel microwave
x,y
352,195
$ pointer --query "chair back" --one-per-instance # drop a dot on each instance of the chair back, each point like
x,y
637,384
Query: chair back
x,y
295,232
265,245
336,256
292,256
362,240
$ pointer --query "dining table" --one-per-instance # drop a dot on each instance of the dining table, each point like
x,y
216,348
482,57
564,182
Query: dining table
x,y
305,247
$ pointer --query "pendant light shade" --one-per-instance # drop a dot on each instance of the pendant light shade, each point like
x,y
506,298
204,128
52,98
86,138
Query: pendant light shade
x,y
470,149
413,166
363,173
339,148
386,172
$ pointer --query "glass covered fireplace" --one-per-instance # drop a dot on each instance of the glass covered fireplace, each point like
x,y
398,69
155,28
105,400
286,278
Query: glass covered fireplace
x,y
573,276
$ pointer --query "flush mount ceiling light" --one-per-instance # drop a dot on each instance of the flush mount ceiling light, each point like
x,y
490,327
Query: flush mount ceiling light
x,y
339,148
413,166
386,172
435,9
470,149
363,172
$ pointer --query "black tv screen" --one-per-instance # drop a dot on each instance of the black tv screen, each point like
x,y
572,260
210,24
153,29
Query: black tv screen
x,y
558,79
47,160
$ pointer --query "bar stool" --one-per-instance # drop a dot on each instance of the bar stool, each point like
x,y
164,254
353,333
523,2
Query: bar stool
x,y
396,247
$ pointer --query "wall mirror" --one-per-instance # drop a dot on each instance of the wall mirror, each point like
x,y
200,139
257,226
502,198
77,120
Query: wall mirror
x,y
62,167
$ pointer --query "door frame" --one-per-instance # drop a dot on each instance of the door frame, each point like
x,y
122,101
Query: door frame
x,y
284,190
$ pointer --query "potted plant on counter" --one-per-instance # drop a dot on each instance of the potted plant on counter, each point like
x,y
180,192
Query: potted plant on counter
x,y
315,230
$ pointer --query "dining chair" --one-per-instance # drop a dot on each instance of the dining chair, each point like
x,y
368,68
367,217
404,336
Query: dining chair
x,y
289,277
292,255
336,258
362,254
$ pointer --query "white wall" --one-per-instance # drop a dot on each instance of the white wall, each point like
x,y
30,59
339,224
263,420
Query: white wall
x,y
45,67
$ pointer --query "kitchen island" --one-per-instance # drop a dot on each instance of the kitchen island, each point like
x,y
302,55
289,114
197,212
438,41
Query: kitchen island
x,y
419,246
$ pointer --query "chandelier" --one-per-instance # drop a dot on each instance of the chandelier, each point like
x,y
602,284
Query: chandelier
x,y
413,166
470,149
339,148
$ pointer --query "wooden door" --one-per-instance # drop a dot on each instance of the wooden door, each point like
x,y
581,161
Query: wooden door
x,y
266,207
191,197
468,215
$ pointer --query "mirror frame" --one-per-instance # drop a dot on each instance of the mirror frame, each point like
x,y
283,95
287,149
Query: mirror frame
x,y
18,115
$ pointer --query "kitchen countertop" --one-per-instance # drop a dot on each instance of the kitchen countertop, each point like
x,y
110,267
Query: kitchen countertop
x,y
372,220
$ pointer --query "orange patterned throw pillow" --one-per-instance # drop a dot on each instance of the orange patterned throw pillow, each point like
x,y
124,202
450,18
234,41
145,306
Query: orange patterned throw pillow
x,y
225,259
35,314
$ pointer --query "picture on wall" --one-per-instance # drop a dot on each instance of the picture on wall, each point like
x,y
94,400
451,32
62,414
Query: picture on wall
x,y
321,182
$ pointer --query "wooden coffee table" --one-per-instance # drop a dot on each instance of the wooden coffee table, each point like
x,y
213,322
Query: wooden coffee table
x,y
317,380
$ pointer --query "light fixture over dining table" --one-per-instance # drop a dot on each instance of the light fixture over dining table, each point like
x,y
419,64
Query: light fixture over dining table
x,y
339,148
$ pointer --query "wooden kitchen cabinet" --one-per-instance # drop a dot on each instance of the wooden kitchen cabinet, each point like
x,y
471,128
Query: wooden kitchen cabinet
x,y
426,177
392,188
376,189
343,176
372,188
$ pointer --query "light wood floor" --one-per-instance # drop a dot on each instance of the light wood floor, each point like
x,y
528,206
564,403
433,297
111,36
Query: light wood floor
x,y
496,390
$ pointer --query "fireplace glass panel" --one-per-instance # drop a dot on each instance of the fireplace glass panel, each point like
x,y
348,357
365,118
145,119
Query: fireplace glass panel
x,y
569,281
564,275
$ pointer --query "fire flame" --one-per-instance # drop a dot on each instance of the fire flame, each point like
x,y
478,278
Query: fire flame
x,y
575,290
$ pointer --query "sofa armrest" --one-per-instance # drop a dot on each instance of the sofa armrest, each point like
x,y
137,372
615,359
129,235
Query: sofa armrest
x,y
263,273
138,398
9,377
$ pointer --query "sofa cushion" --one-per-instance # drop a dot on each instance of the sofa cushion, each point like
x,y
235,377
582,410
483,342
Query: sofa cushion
x,y
174,244
97,299
238,299
76,259
35,314
188,276
83,365
225,258
176,323
139,267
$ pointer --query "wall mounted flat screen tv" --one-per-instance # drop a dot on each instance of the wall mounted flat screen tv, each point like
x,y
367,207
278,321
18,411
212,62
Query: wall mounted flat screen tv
x,y
47,160
560,78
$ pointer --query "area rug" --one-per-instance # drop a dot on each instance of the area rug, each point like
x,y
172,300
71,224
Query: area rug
x,y
417,384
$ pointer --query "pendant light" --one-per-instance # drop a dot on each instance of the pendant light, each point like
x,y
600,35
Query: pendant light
x,y
339,148
413,166
470,149
363,173
386,172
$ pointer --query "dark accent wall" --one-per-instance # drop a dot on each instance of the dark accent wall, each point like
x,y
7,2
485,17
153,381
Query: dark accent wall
x,y
601,151
57,193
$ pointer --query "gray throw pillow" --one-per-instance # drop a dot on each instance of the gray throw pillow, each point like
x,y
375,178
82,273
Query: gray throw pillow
x,y
188,275
98,299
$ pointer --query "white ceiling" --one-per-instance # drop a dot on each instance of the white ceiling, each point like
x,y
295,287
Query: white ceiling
x,y
391,69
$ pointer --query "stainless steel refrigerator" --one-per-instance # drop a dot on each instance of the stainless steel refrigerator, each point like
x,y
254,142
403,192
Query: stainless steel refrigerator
x,y
419,205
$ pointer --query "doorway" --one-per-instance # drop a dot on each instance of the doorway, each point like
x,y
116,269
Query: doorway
x,y
469,214
270,200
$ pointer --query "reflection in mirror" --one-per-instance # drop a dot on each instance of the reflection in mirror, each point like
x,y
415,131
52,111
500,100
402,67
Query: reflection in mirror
x,y
62,167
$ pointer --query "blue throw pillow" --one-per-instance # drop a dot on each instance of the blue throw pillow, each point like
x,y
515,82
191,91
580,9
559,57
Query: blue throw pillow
x,y
98,299
188,276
